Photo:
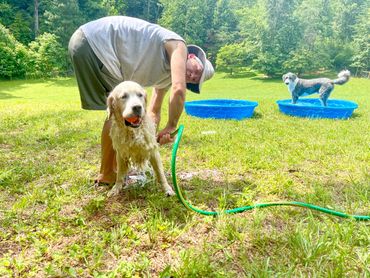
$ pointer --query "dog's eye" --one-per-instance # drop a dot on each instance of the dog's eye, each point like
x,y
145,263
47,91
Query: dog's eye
x,y
139,94
124,96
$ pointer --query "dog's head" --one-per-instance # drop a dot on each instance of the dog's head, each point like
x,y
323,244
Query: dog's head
x,y
289,78
127,103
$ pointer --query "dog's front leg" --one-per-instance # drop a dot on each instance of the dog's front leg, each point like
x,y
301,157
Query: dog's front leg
x,y
122,169
324,94
156,163
294,98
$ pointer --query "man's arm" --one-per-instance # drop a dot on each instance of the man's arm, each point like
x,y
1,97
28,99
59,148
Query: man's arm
x,y
155,105
177,54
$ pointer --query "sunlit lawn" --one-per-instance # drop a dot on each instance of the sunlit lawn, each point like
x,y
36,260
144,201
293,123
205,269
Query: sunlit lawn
x,y
54,223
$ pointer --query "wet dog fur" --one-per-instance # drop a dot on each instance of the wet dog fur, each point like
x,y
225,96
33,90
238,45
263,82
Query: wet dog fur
x,y
323,86
134,142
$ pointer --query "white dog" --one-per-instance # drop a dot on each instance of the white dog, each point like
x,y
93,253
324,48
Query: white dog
x,y
323,86
133,134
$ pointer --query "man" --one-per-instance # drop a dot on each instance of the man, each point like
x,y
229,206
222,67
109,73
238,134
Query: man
x,y
113,49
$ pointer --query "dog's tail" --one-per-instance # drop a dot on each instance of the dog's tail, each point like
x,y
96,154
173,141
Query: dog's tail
x,y
343,77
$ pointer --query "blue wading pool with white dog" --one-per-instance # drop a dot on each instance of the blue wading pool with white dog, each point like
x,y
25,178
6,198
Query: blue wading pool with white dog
x,y
221,108
312,108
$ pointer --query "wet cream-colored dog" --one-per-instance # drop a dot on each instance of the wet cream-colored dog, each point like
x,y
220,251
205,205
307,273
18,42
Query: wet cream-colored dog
x,y
133,134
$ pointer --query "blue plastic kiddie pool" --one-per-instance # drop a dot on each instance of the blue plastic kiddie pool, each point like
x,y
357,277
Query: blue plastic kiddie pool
x,y
312,108
221,108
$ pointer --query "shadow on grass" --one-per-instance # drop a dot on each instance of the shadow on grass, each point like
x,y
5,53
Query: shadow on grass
x,y
256,116
240,75
209,194
15,85
355,116
50,117
62,134
275,80
7,96
68,82
218,193
149,200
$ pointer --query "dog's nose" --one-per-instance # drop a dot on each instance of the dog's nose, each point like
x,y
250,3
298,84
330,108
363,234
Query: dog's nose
x,y
137,109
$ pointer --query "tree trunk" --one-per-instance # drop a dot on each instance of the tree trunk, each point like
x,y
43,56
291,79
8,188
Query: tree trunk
x,y
36,15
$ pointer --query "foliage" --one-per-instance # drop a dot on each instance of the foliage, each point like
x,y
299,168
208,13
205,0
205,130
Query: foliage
x,y
47,57
20,27
339,55
279,38
190,19
61,18
224,29
299,61
13,56
361,43
299,35
6,12
234,58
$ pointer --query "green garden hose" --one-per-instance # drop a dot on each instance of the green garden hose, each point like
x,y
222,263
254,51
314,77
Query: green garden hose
x,y
241,209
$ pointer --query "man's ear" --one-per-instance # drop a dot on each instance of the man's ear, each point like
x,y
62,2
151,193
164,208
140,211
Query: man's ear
x,y
191,55
110,106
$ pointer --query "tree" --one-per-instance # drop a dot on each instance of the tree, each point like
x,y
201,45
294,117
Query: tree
x,y
270,36
300,61
149,10
279,38
6,14
13,56
62,18
361,43
234,58
47,57
316,21
93,9
346,17
224,28
191,19
36,16
20,27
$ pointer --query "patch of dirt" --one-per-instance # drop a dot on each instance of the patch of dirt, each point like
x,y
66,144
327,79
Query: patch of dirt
x,y
9,247
5,147
206,174
164,251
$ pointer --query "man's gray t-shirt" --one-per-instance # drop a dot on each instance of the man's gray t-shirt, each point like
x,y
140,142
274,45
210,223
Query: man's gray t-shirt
x,y
132,49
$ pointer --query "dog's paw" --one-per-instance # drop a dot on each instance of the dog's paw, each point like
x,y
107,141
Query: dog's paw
x,y
170,192
115,190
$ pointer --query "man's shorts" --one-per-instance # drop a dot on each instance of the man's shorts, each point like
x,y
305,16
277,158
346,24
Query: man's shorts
x,y
94,80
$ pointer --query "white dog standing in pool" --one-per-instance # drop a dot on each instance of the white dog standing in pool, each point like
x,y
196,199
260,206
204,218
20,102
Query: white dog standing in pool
x,y
133,134
323,86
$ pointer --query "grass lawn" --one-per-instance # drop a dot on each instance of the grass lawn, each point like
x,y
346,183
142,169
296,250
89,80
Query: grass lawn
x,y
55,224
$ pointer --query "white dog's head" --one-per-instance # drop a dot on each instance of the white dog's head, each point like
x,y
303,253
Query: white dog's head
x,y
289,78
127,103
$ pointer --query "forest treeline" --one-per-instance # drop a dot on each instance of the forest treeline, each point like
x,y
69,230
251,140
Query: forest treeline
x,y
265,36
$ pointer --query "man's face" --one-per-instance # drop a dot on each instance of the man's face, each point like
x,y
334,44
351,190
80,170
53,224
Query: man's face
x,y
193,70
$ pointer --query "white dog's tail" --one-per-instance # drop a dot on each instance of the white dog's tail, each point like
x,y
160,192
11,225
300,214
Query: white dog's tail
x,y
343,77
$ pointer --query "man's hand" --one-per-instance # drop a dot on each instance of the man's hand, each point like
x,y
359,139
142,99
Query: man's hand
x,y
164,136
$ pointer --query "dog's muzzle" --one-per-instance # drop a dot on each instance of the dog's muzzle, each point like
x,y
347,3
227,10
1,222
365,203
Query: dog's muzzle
x,y
136,117
133,122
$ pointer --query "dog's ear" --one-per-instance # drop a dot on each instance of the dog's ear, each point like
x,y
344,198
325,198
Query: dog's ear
x,y
145,98
284,77
110,106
